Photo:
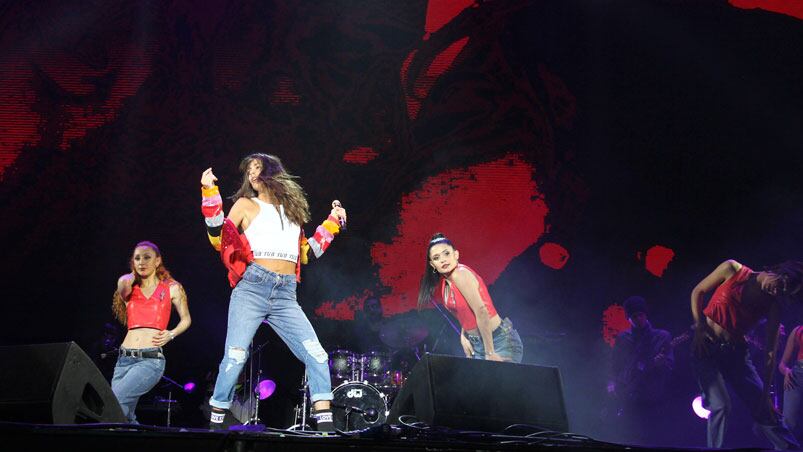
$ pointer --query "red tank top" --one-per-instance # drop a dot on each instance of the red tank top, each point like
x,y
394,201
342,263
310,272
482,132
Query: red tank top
x,y
729,310
456,303
153,312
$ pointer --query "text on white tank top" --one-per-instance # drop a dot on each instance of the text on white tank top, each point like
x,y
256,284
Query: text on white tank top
x,y
272,235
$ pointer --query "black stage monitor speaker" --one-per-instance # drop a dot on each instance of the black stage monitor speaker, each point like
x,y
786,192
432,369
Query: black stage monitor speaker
x,y
54,383
473,394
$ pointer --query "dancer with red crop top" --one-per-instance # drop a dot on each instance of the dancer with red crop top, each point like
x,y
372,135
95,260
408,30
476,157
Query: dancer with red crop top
x,y
264,264
143,301
484,334
740,300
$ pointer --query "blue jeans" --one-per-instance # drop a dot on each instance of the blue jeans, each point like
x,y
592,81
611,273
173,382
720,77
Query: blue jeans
x,y
793,401
261,295
134,377
730,361
507,343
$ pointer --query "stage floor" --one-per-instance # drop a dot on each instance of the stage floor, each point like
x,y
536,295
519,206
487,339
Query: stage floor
x,y
123,438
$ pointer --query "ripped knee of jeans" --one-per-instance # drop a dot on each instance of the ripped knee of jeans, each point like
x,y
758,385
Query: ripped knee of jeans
x,y
235,356
315,350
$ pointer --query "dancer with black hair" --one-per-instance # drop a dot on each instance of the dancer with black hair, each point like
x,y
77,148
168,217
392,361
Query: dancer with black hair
x,y
483,334
741,298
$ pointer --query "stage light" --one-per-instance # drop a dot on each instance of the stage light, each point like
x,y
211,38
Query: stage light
x,y
189,387
697,407
265,388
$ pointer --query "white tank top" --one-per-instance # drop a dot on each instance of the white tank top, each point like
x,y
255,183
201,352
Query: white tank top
x,y
272,235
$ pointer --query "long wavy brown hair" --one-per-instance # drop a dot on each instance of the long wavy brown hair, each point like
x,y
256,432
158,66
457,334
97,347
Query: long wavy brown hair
x,y
118,302
282,185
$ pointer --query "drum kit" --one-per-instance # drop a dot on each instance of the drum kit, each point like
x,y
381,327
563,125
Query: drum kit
x,y
366,384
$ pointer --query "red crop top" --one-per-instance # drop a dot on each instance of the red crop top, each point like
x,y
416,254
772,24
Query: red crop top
x,y
729,310
153,312
457,304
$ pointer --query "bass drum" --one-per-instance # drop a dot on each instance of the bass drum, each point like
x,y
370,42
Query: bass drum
x,y
357,406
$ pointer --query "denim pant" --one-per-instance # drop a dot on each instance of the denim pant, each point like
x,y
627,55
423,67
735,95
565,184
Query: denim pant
x,y
507,343
793,401
134,377
730,361
261,295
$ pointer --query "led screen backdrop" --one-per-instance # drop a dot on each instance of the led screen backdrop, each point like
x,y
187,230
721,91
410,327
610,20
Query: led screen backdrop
x,y
575,152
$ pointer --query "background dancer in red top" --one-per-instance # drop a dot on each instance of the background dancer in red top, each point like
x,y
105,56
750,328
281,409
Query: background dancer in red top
x,y
740,300
264,267
143,301
483,334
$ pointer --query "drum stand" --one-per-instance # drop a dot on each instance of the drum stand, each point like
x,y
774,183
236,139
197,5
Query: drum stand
x,y
253,402
301,410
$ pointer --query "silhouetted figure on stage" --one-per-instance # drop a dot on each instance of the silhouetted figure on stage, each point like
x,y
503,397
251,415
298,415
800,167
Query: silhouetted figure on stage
x,y
368,325
104,350
641,367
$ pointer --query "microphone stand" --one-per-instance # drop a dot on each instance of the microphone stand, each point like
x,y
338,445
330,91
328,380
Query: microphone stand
x,y
351,409
445,316
170,400
110,353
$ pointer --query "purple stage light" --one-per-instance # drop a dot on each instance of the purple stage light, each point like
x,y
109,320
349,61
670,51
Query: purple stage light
x,y
265,388
189,387
699,410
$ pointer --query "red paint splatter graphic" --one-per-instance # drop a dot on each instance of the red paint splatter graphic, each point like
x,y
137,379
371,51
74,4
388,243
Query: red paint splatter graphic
x,y
790,8
344,309
492,212
424,83
441,12
360,155
553,255
614,322
657,259
19,124
87,100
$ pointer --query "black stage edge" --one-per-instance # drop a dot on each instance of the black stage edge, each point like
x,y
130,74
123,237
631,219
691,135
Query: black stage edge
x,y
124,438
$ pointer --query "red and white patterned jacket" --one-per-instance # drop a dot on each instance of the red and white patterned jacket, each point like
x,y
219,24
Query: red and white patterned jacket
x,y
235,251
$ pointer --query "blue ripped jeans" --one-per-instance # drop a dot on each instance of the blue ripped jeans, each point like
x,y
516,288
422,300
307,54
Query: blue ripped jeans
x,y
264,295
793,401
133,377
507,343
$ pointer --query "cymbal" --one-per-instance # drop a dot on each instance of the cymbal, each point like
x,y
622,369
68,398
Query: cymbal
x,y
403,331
